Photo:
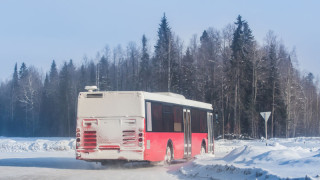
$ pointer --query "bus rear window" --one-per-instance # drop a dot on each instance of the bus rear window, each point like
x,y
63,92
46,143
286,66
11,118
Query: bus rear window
x,y
99,95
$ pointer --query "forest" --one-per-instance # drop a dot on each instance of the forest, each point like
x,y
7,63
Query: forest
x,y
228,68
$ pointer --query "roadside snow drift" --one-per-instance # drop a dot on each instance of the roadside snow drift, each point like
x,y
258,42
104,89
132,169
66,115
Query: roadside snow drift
x,y
274,159
294,158
36,144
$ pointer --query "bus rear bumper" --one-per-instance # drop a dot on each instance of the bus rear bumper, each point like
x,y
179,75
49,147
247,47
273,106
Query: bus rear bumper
x,y
101,155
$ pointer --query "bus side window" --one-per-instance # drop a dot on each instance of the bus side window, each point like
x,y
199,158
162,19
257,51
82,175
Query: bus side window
x,y
149,117
167,116
157,124
177,119
195,123
203,121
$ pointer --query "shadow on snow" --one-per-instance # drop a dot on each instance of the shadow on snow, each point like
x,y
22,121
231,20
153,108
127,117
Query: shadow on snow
x,y
69,163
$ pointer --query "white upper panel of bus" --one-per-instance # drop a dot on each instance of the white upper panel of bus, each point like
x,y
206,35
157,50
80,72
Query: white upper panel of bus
x,y
110,104
175,99
158,96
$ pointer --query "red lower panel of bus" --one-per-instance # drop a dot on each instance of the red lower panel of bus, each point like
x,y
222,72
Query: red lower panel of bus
x,y
158,145
196,142
156,148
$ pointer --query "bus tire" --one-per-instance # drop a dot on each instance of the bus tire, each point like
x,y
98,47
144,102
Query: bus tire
x,y
203,148
169,155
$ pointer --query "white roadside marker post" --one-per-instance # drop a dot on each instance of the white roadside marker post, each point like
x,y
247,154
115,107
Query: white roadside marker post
x,y
266,116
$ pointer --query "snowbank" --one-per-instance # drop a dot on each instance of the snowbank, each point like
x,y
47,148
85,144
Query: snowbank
x,y
257,159
294,158
36,144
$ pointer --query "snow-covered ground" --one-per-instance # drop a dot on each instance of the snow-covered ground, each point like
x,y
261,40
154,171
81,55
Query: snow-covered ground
x,y
257,159
54,158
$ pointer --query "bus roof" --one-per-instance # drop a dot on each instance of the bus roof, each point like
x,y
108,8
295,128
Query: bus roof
x,y
165,97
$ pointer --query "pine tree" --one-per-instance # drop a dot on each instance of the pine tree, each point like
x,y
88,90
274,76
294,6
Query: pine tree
x,y
203,66
132,64
272,81
144,74
188,79
23,71
241,74
237,44
273,97
247,78
83,79
45,109
15,77
310,122
49,112
208,60
5,126
62,124
22,108
29,99
71,98
14,99
104,81
53,76
164,60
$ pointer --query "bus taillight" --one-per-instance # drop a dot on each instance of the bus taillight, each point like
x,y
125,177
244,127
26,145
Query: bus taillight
x,y
78,138
78,143
140,141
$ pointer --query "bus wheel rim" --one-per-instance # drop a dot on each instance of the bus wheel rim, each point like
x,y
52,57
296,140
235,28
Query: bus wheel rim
x,y
202,150
168,156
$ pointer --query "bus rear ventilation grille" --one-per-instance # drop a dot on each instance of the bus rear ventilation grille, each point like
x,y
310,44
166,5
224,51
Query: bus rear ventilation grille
x,y
129,131
86,145
90,132
128,134
90,139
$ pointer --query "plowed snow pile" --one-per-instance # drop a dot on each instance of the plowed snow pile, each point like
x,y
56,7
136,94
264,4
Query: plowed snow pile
x,y
278,158
294,158
36,144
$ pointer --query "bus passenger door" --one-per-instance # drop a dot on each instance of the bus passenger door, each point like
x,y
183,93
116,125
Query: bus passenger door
x,y
187,132
210,132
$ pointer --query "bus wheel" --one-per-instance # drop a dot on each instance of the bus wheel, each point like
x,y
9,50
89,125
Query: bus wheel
x,y
168,157
203,149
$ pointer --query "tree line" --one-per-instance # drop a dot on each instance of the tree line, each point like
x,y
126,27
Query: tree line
x,y
227,68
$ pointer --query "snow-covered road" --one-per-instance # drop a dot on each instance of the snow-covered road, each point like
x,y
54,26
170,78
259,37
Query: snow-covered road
x,y
63,165
53,158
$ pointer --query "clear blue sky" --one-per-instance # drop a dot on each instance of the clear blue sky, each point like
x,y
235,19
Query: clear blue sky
x,y
38,31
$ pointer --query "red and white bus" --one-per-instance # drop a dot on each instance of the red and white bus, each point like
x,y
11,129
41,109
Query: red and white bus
x,y
141,126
